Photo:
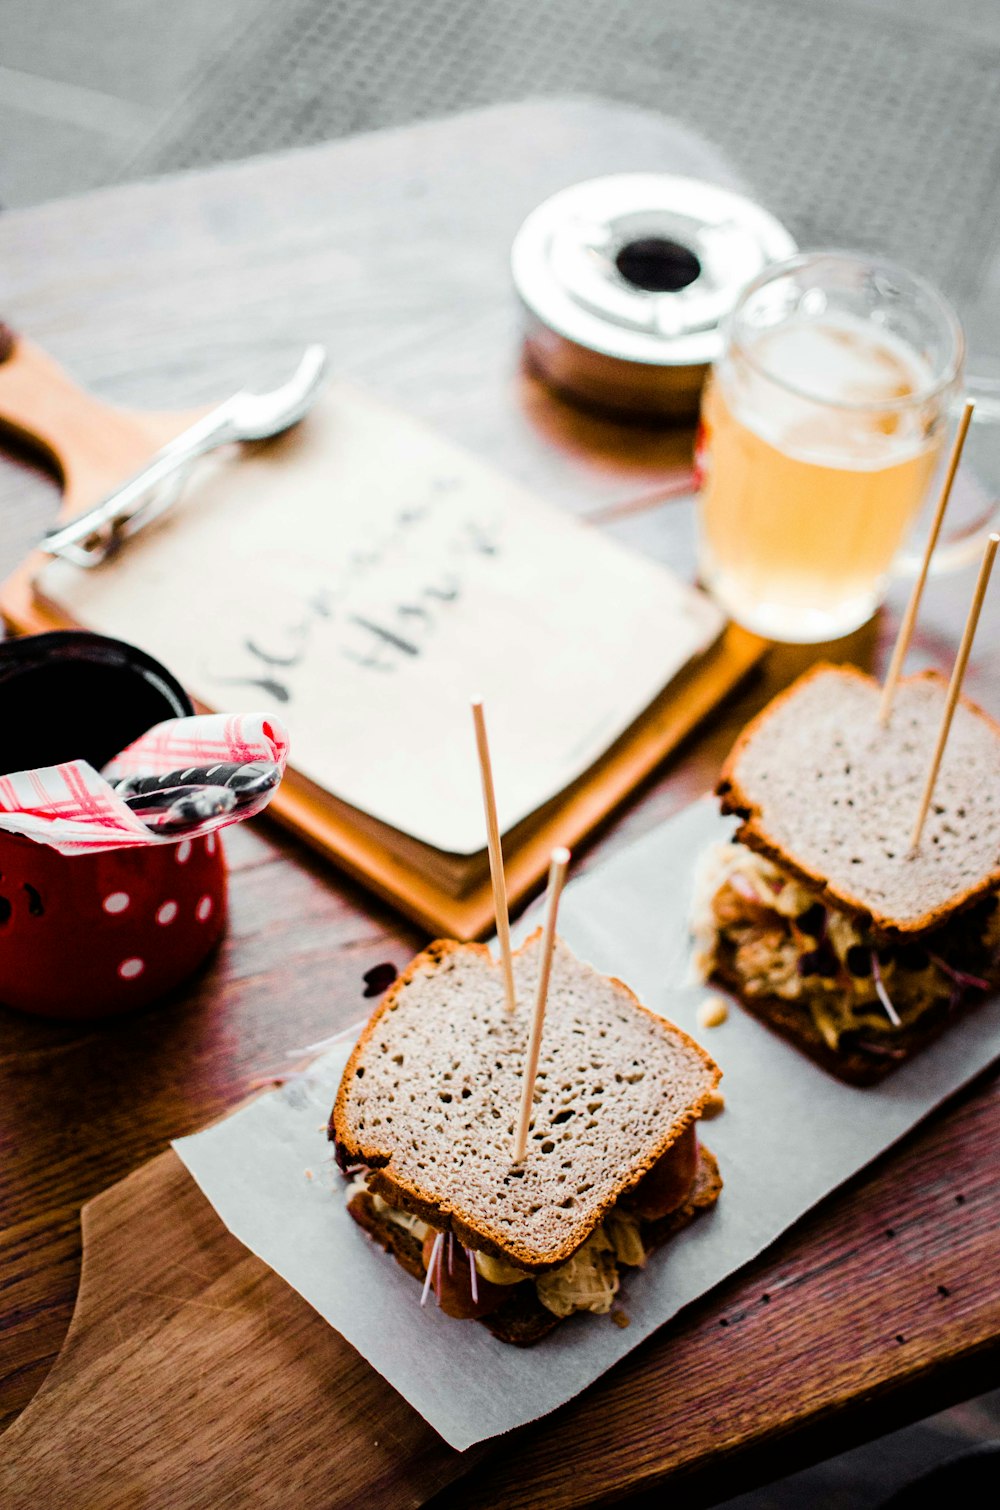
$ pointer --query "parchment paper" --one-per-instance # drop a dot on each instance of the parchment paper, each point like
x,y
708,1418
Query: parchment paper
x,y
789,1135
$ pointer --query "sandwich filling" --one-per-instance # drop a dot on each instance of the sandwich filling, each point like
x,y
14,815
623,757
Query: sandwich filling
x,y
758,926
468,1283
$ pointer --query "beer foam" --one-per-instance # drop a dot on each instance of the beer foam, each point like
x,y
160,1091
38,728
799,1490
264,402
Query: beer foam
x,y
857,369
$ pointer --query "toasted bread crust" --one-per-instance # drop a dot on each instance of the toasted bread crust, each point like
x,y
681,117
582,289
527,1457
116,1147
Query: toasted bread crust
x,y
522,1320
753,831
854,1066
407,1196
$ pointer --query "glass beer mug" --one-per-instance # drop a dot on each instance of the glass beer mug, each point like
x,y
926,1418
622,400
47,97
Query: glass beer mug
x,y
823,424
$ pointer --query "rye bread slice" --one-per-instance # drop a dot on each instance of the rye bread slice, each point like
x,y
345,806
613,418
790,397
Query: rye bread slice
x,y
828,794
522,1319
429,1098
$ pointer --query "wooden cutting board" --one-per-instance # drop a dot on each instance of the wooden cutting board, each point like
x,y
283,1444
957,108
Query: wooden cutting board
x,y
193,1378
95,447
191,1372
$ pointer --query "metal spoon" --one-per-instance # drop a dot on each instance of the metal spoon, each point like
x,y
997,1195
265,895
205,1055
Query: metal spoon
x,y
247,780
90,538
175,809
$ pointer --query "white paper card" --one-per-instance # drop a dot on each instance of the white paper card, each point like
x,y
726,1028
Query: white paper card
x,y
789,1135
368,578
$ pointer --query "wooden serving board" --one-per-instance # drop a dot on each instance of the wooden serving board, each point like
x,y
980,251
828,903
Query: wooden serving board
x,y
192,1375
95,446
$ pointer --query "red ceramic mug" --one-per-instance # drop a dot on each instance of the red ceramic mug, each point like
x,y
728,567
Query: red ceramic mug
x,y
97,934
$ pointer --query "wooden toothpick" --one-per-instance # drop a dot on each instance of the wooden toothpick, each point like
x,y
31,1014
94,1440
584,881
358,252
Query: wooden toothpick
x,y
496,855
955,685
905,634
557,874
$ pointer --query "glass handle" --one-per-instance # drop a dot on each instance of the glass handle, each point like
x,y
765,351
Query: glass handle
x,y
965,544
985,393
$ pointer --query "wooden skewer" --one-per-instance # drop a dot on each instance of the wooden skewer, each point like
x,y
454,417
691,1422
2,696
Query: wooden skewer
x,y
955,685
905,634
557,875
496,855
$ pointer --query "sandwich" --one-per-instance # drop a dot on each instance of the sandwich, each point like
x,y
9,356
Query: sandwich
x,y
423,1128
819,916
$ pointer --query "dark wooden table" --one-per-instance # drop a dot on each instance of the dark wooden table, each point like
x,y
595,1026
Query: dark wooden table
x,y
879,1307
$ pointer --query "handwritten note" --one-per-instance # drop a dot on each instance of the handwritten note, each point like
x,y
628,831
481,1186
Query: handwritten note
x,y
367,578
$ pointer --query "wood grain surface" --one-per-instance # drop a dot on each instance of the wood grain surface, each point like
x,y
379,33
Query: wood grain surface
x,y
831,1336
388,249
191,1371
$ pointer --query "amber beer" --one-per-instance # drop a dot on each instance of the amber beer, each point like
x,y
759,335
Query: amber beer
x,y
820,434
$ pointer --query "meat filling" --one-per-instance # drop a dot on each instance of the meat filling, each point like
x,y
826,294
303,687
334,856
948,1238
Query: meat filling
x,y
780,940
469,1284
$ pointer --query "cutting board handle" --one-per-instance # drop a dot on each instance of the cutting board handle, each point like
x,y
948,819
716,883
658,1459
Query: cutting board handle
x,y
92,445
193,1375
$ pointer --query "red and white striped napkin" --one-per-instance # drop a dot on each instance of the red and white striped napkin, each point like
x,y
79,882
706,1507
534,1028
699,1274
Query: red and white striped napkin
x,y
74,809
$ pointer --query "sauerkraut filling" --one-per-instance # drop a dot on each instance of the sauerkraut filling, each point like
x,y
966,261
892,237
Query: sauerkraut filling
x,y
780,940
589,1281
